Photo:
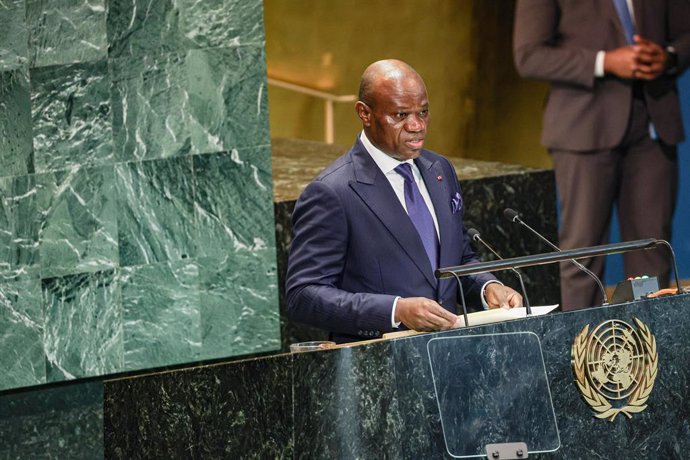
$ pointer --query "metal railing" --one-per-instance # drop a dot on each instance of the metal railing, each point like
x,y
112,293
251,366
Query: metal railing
x,y
328,99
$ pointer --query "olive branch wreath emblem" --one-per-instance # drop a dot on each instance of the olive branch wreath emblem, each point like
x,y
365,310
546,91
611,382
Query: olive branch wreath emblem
x,y
598,402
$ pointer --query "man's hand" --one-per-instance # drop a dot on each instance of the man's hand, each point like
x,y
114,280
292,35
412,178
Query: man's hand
x,y
500,296
645,60
621,62
651,59
421,314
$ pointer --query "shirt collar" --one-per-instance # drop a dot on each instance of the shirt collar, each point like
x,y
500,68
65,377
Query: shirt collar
x,y
385,162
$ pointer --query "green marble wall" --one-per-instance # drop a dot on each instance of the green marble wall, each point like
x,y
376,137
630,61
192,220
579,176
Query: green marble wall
x,y
136,216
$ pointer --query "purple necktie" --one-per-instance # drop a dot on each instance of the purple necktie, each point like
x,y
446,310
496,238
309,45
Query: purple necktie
x,y
419,214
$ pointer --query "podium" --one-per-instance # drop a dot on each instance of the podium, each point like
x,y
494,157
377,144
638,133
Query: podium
x,y
431,396
383,400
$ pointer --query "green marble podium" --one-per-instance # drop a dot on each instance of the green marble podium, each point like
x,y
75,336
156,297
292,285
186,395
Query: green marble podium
x,y
374,400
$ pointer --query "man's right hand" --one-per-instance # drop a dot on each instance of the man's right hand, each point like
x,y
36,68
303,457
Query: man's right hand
x,y
422,314
645,60
621,62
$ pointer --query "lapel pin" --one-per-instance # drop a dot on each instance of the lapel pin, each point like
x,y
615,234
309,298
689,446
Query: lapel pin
x,y
439,178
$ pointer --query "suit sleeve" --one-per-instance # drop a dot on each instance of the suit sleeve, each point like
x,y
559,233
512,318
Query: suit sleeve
x,y
315,267
679,31
537,51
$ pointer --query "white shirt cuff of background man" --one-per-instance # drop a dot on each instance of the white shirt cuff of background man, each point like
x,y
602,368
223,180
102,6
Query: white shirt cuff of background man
x,y
599,64
396,324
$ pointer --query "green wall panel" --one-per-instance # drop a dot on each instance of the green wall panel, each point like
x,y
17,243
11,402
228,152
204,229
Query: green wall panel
x,y
21,320
16,155
136,210
78,226
70,108
19,219
186,103
14,49
162,319
83,325
65,31
156,211
137,28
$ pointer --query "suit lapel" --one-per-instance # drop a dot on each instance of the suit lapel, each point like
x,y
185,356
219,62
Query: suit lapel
x,y
612,14
376,192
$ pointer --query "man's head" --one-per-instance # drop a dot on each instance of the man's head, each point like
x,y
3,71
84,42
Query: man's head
x,y
394,108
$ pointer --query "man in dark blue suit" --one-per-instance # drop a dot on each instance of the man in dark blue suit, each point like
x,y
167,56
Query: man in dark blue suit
x,y
371,229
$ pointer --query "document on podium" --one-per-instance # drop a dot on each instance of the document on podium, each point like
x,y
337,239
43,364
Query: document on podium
x,y
494,315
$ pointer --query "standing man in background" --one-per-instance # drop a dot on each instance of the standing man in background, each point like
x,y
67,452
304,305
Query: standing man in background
x,y
373,226
611,122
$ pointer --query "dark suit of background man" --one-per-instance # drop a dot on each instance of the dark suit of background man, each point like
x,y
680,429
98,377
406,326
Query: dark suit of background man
x,y
371,229
611,123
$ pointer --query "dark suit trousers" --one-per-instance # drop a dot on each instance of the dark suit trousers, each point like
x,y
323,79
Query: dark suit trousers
x,y
640,177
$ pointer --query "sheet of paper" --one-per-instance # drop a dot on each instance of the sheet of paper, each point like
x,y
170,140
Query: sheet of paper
x,y
484,317
497,315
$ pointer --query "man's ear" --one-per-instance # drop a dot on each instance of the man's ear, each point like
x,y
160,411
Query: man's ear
x,y
364,113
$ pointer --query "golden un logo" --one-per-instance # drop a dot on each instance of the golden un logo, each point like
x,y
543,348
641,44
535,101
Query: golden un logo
x,y
615,367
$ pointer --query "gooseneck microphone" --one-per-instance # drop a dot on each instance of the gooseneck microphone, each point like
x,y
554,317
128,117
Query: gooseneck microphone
x,y
474,234
513,216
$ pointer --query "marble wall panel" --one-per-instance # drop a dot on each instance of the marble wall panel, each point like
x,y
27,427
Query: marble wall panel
x,y
234,206
20,226
71,118
144,27
238,298
161,314
22,359
78,221
83,325
16,154
191,102
14,40
65,31
155,211
59,422
132,135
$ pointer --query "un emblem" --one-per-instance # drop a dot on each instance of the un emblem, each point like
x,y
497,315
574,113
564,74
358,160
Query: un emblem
x,y
615,367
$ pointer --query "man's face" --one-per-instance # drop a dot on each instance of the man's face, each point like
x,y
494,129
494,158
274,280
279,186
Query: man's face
x,y
397,122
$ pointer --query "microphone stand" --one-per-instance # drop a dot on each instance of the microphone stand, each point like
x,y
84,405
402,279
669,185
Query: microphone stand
x,y
513,216
474,234
462,300
551,257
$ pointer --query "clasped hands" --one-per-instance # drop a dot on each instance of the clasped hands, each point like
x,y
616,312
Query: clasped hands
x,y
643,60
422,314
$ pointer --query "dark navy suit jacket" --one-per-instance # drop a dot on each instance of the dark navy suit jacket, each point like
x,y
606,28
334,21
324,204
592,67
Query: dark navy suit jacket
x,y
355,248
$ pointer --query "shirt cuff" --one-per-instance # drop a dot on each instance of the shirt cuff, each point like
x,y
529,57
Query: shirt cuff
x,y
484,304
599,64
395,324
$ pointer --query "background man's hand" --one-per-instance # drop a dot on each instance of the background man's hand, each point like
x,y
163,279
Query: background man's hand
x,y
621,62
651,58
645,60
422,314
500,296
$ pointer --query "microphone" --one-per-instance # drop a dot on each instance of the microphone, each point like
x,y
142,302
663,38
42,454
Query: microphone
x,y
474,234
513,216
